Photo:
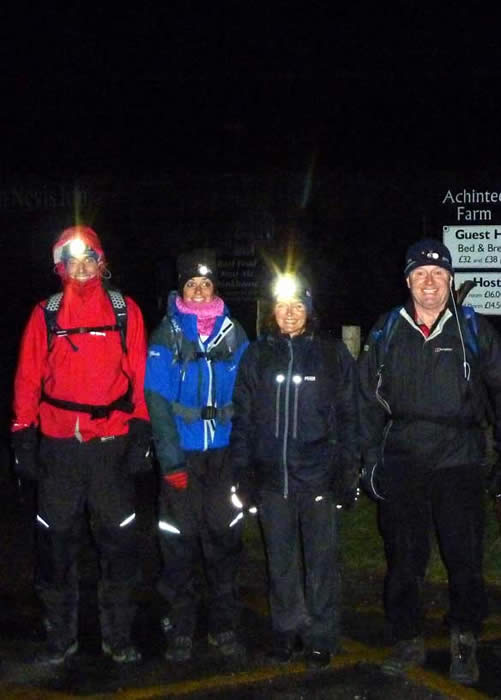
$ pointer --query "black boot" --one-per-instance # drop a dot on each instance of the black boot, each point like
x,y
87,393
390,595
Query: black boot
x,y
406,654
116,616
56,652
62,632
317,658
464,666
226,643
282,649
180,649
61,641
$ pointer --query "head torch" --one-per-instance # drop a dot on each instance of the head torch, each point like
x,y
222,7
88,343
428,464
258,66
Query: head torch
x,y
77,248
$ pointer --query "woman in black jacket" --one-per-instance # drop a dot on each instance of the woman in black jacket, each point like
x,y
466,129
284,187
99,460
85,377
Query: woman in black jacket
x,y
295,439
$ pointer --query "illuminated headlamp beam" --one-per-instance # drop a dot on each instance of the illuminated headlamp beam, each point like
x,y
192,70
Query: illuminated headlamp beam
x,y
77,247
285,287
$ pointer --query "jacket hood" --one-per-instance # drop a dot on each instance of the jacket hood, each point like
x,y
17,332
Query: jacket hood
x,y
84,233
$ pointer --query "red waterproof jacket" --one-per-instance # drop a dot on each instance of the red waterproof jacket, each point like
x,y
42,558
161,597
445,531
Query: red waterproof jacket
x,y
97,373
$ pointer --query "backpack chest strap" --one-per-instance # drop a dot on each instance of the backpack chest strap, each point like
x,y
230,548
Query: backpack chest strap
x,y
92,330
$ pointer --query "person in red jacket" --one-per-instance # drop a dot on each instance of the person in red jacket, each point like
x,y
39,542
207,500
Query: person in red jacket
x,y
81,430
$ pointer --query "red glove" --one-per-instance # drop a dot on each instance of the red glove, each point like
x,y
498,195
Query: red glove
x,y
178,480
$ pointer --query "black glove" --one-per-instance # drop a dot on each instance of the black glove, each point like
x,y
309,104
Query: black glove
x,y
137,457
346,490
25,447
494,480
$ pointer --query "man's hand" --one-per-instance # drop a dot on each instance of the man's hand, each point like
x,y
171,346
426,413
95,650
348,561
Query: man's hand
x,y
25,447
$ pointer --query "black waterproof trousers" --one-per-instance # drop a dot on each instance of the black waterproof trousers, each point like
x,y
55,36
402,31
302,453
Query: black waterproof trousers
x,y
207,541
452,500
300,534
82,480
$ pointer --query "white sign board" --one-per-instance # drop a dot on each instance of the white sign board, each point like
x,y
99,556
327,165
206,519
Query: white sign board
x,y
485,297
474,246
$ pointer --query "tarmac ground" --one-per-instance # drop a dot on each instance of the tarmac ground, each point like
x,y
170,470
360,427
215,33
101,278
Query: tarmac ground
x,y
353,673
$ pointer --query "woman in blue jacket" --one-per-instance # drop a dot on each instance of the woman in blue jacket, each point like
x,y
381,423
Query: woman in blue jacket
x,y
192,364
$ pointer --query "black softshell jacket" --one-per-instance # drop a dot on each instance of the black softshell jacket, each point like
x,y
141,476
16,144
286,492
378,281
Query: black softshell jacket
x,y
295,426
424,406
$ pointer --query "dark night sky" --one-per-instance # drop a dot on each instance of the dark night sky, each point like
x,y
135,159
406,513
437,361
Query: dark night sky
x,y
151,89
380,93
385,98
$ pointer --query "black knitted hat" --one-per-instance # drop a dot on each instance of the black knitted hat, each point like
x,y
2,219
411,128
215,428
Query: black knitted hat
x,y
427,252
200,262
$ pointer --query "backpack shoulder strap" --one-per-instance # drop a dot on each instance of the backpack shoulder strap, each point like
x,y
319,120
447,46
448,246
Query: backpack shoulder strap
x,y
224,344
120,310
383,335
170,334
118,304
470,330
50,312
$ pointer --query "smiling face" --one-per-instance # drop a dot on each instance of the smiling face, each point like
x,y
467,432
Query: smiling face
x,y
290,315
82,268
198,289
429,286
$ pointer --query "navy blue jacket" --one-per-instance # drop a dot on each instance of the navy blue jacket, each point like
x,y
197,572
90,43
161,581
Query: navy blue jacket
x,y
295,426
419,409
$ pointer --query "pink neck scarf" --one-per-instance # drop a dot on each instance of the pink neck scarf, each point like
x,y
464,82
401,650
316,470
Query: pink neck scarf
x,y
205,311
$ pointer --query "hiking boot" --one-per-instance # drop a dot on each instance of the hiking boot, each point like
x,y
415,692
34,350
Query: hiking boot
x,y
406,654
122,653
317,658
227,643
464,666
282,652
180,649
56,653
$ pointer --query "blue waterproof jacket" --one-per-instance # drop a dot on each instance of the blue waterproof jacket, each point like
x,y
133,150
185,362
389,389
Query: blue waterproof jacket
x,y
189,384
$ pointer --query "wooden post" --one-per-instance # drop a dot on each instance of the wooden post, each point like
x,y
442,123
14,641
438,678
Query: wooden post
x,y
351,338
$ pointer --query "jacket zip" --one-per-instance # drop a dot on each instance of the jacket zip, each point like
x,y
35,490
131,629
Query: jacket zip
x,y
297,379
286,418
280,380
386,431
209,426
387,408
386,405
382,401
